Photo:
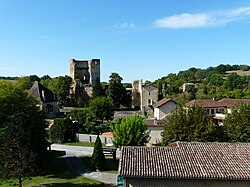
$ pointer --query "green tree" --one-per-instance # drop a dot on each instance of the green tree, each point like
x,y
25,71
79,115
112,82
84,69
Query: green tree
x,y
233,81
102,108
24,82
98,158
22,134
62,87
115,90
97,89
130,131
237,124
190,125
61,131
34,78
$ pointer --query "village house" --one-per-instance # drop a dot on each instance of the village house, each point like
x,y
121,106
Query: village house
x,y
47,99
184,164
144,96
162,109
218,109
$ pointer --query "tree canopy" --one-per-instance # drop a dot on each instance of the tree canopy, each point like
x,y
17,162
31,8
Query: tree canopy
x,y
130,131
116,91
237,124
102,108
22,133
191,125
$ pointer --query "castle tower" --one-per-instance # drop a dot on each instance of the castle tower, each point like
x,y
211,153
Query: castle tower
x,y
84,74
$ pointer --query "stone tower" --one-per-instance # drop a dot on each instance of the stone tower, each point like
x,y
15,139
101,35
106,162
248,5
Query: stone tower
x,y
84,74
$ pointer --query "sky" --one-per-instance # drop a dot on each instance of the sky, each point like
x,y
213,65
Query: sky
x,y
138,39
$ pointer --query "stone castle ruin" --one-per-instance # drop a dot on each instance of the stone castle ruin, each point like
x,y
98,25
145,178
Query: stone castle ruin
x,y
84,74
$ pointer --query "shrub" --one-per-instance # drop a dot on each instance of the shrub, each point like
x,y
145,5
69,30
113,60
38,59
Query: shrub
x,y
98,158
61,131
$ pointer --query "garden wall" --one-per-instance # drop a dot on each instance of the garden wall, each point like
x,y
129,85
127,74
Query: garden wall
x,y
92,138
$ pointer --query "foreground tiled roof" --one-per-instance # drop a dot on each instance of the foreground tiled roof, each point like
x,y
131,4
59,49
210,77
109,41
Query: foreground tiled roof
x,y
225,161
162,102
232,102
204,103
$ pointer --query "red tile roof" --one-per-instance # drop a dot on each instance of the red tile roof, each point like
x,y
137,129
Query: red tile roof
x,y
232,102
223,161
204,103
162,102
210,103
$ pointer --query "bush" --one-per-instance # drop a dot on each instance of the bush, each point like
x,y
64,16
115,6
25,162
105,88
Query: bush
x,y
131,131
61,131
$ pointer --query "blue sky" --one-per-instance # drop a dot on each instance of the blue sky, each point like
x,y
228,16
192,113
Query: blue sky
x,y
143,39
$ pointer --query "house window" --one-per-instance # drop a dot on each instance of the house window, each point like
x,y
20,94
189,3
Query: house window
x,y
150,102
148,93
212,111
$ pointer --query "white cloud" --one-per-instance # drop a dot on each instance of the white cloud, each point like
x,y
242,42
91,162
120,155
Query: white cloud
x,y
125,25
216,18
184,21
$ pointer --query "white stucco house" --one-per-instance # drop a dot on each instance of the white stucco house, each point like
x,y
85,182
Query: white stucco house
x,y
163,108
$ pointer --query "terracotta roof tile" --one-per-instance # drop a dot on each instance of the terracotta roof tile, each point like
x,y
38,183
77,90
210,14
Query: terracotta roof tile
x,y
232,102
162,102
225,161
204,103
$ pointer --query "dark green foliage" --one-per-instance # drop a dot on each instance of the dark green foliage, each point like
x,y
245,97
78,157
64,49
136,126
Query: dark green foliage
x,y
61,86
213,82
34,78
98,158
98,91
61,131
102,108
130,132
237,124
190,125
22,134
115,90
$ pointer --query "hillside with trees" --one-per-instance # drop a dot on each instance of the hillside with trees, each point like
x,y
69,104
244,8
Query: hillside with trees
x,y
223,81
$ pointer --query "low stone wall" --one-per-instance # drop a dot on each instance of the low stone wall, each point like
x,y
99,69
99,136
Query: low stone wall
x,y
92,138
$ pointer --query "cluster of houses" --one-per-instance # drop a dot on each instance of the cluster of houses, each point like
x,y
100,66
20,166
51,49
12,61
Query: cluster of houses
x,y
180,164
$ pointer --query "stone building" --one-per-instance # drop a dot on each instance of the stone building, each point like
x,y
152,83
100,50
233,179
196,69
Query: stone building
x,y
84,74
47,100
144,96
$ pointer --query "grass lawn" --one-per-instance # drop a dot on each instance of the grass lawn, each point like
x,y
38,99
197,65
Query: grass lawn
x,y
110,166
84,144
58,175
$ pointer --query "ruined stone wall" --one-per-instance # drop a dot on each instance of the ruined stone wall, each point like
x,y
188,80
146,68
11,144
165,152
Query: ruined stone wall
x,y
136,94
84,74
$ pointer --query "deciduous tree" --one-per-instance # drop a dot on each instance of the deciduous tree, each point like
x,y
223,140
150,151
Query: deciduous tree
x,y
102,108
237,124
130,131
22,133
190,125
115,90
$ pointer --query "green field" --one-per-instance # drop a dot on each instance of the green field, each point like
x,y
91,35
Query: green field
x,y
240,72
58,175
